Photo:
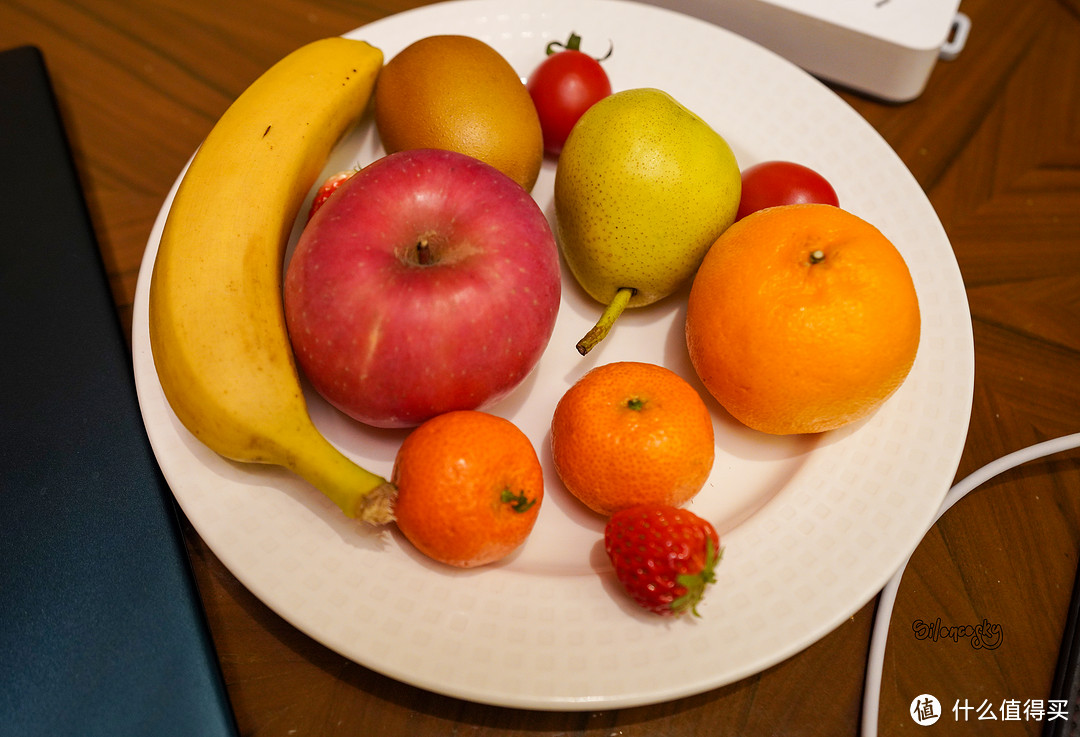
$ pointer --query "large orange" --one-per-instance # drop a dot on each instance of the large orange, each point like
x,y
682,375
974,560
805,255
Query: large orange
x,y
631,433
469,488
458,93
802,318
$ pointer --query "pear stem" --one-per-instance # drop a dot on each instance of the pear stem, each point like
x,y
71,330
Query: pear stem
x,y
607,319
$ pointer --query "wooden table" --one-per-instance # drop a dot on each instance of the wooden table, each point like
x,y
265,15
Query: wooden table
x,y
994,141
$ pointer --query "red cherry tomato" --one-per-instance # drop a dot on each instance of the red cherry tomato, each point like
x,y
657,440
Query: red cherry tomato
x,y
772,183
563,87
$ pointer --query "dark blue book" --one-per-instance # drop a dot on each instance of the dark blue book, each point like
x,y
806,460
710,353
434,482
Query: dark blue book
x,y
102,630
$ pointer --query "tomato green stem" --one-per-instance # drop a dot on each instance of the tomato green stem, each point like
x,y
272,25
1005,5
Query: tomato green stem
x,y
574,44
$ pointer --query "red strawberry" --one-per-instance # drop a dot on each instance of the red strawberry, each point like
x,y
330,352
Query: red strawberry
x,y
328,187
663,556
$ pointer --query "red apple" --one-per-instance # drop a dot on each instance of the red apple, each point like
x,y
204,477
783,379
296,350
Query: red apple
x,y
429,282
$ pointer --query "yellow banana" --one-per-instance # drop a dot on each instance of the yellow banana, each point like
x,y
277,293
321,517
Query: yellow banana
x,y
217,326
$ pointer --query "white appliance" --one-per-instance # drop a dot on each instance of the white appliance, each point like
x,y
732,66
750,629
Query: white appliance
x,y
883,48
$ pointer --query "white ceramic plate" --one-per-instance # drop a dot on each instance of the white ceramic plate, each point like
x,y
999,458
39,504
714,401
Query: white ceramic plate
x,y
812,526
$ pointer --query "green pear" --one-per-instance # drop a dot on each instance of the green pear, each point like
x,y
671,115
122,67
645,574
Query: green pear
x,y
643,187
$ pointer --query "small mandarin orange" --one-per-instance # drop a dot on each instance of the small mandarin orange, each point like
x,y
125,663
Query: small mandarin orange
x,y
469,488
630,433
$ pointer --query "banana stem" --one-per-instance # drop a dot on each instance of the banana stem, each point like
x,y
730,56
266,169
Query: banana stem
x,y
359,493
607,319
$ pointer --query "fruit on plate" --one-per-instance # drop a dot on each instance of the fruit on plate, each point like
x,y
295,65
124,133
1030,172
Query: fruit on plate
x,y
429,282
327,188
458,93
664,557
802,319
217,329
469,488
773,183
643,188
629,433
566,84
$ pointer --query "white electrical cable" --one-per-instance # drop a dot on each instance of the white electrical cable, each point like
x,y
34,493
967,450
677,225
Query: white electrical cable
x,y
876,657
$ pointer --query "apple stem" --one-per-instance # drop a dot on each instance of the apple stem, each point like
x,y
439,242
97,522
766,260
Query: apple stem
x,y
423,253
607,319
